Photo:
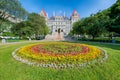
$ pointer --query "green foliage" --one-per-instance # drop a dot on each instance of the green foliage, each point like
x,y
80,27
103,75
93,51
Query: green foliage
x,y
22,30
34,25
100,23
114,13
38,24
11,8
115,10
46,30
78,27
5,27
7,34
96,24
93,25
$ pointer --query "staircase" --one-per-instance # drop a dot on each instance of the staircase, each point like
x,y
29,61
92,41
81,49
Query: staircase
x,y
55,36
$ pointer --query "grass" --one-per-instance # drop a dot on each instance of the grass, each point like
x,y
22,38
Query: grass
x,y
11,69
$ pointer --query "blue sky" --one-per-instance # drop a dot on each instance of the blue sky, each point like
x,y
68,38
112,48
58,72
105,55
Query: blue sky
x,y
84,7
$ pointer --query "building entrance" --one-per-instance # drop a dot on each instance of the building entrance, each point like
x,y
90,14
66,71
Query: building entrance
x,y
59,30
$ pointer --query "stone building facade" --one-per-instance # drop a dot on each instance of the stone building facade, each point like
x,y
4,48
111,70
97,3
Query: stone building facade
x,y
60,24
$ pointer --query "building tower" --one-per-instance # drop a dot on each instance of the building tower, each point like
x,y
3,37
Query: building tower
x,y
43,13
75,17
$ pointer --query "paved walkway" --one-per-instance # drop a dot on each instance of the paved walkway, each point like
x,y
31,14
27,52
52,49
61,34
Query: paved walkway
x,y
66,39
21,42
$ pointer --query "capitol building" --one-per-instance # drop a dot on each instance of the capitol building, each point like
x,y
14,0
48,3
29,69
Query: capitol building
x,y
60,24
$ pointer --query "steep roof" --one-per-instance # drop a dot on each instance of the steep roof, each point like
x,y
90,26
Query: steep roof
x,y
43,12
66,18
74,12
53,18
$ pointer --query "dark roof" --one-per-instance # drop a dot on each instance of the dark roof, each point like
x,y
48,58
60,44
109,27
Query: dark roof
x,y
66,18
53,18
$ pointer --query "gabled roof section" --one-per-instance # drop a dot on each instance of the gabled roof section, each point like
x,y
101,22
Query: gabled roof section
x,y
75,12
43,13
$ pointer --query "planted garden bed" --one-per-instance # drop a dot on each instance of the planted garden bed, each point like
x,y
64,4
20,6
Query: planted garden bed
x,y
59,55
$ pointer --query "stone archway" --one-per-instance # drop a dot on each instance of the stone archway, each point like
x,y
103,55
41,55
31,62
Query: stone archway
x,y
59,30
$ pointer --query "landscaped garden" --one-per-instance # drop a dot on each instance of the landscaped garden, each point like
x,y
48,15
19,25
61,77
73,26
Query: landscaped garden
x,y
63,53
59,55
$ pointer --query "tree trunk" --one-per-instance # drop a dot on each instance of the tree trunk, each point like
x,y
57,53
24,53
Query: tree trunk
x,y
110,35
93,37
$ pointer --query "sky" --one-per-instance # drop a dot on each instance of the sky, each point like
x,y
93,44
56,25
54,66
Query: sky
x,y
84,7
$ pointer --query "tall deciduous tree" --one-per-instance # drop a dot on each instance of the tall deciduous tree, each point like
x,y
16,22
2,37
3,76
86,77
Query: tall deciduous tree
x,y
22,30
114,22
79,28
96,24
115,15
38,24
93,25
34,25
11,8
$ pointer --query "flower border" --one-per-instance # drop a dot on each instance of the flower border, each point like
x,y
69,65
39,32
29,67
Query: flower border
x,y
53,65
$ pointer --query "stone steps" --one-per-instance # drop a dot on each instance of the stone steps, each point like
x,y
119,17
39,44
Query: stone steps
x,y
55,36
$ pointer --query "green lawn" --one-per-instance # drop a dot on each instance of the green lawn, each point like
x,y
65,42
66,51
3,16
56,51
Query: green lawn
x,y
11,69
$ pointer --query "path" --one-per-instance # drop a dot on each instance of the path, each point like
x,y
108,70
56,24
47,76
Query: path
x,y
66,39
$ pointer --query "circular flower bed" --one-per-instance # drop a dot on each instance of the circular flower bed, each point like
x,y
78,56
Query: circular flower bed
x,y
59,54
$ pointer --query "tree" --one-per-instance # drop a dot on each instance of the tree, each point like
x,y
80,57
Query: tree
x,y
38,24
115,15
96,24
91,26
113,26
115,10
11,8
79,28
22,30
116,25
104,21
34,25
